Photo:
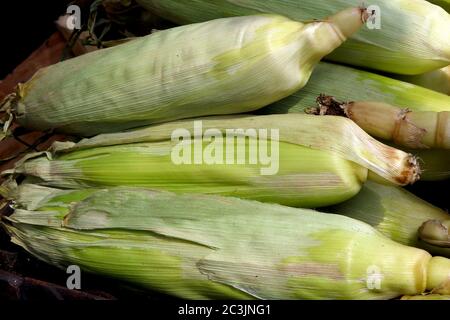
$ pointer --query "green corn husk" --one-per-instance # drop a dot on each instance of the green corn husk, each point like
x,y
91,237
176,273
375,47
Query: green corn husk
x,y
434,163
350,84
180,73
428,125
203,247
419,129
437,80
306,178
319,162
413,37
395,212
333,134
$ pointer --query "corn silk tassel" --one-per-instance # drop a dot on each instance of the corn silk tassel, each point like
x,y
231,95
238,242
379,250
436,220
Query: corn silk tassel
x,y
398,214
209,247
180,73
318,161
434,163
410,37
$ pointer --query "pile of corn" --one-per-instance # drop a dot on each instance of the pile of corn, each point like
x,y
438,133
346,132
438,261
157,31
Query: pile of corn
x,y
174,187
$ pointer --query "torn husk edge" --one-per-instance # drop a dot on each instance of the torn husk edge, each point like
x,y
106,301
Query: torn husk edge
x,y
333,134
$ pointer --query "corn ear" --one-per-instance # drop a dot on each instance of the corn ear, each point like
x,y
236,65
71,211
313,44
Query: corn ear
x,y
350,84
333,134
421,129
313,162
306,177
418,45
381,105
180,73
395,212
197,247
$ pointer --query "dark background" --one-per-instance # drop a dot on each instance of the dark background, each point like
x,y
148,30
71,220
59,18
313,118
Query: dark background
x,y
24,26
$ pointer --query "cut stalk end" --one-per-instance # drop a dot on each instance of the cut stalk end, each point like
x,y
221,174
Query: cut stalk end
x,y
417,130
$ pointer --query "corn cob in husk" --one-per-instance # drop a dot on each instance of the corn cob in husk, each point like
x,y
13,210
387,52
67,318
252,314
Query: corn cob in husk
x,y
389,109
313,161
421,129
350,84
396,213
306,177
412,38
180,73
333,134
198,246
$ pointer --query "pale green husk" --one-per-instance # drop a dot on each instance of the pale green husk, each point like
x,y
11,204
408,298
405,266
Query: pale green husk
x,y
223,66
413,37
332,134
319,161
395,212
306,177
350,84
196,246
347,84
